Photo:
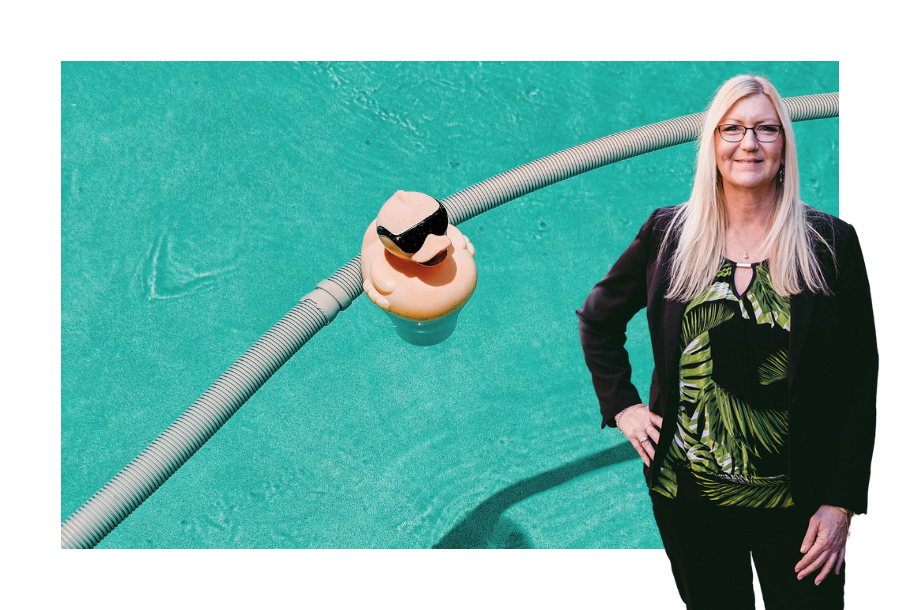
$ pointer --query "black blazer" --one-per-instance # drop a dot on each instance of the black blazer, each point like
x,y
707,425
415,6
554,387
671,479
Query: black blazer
x,y
832,359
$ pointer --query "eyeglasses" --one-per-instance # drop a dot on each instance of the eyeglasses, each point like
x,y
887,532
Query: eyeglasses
x,y
411,240
736,133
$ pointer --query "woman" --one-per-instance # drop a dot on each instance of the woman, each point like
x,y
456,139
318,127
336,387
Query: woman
x,y
757,439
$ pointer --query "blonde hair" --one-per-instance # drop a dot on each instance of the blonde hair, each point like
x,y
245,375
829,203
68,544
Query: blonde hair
x,y
699,224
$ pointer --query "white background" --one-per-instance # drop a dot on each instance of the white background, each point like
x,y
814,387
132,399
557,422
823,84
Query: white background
x,y
37,38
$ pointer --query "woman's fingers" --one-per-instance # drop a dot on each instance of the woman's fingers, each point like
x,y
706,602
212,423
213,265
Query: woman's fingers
x,y
638,446
826,570
814,559
653,428
640,427
840,561
651,432
649,448
812,546
810,538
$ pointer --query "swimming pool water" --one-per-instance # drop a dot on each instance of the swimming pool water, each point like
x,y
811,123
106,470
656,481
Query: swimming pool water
x,y
201,201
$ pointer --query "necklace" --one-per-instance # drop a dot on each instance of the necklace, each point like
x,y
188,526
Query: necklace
x,y
746,255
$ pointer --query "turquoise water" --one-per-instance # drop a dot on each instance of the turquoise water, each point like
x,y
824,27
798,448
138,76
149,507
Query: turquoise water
x,y
200,202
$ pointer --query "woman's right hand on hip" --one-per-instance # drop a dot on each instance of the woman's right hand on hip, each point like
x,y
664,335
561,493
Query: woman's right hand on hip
x,y
641,427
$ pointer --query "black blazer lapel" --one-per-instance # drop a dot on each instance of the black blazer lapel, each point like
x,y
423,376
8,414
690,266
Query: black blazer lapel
x,y
801,316
671,333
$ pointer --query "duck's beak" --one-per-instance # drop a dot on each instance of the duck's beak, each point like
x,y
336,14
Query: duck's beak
x,y
434,245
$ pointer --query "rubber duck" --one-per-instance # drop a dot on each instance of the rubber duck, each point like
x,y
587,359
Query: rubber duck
x,y
418,267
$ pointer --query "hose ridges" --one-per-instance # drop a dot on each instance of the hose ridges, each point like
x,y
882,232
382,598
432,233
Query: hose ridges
x,y
350,277
127,490
554,168
810,107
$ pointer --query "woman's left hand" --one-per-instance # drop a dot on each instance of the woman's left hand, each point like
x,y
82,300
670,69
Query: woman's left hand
x,y
825,543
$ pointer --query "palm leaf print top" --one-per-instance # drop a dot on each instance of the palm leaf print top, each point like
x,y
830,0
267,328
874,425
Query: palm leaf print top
x,y
730,444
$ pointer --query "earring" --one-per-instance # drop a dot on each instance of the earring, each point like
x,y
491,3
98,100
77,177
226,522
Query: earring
x,y
781,175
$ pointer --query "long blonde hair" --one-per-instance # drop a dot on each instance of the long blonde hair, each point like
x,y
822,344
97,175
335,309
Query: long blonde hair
x,y
699,224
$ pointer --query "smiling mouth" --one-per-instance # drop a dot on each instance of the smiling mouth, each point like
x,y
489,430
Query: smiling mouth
x,y
749,161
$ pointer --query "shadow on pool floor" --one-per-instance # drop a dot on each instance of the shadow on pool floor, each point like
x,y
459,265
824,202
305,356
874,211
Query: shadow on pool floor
x,y
485,528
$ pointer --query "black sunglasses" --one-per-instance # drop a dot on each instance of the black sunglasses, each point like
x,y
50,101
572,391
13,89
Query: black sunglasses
x,y
411,240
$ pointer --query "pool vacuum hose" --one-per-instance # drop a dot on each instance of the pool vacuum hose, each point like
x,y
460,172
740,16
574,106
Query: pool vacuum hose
x,y
88,525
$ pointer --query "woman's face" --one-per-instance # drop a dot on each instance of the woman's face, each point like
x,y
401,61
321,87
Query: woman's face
x,y
750,164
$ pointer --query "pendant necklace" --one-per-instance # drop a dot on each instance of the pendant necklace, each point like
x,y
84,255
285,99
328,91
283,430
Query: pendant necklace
x,y
746,254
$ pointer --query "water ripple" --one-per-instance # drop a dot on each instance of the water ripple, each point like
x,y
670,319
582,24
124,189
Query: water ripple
x,y
161,276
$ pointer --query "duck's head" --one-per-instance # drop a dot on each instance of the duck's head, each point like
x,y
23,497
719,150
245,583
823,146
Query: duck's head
x,y
414,226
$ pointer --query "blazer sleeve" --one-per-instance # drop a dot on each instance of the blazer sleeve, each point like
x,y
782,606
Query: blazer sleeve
x,y
602,321
854,437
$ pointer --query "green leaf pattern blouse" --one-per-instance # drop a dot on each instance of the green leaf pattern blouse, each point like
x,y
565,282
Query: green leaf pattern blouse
x,y
731,434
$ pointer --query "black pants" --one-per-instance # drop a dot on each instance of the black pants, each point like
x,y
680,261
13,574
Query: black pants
x,y
710,549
